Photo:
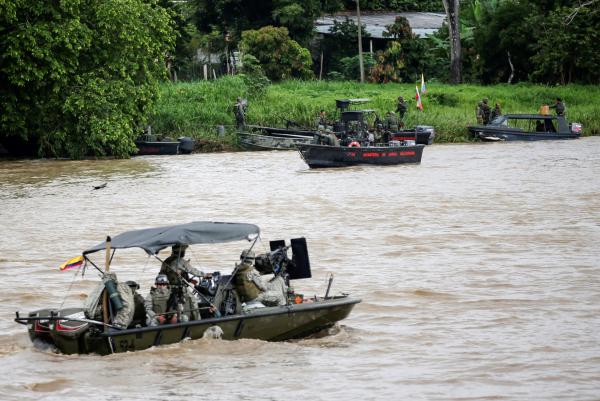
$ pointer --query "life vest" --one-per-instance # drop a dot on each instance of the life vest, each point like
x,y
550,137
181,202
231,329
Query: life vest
x,y
245,287
354,144
160,300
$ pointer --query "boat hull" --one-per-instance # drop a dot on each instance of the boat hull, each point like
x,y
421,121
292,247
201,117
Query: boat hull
x,y
494,134
157,148
268,142
269,324
320,156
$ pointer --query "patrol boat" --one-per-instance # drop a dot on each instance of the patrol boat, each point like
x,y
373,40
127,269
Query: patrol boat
x,y
74,331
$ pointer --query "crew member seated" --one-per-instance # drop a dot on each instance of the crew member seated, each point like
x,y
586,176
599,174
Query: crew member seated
x,y
252,288
159,304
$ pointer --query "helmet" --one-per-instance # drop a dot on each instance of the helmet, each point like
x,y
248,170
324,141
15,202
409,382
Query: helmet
x,y
161,279
179,248
133,285
247,254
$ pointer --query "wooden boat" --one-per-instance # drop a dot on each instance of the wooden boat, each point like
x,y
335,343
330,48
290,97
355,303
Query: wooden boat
x,y
526,127
73,331
396,152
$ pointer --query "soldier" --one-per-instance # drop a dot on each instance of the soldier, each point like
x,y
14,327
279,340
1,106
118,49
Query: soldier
x,y
486,111
401,108
179,272
559,106
322,121
122,316
391,122
251,287
159,305
479,112
139,310
239,109
496,112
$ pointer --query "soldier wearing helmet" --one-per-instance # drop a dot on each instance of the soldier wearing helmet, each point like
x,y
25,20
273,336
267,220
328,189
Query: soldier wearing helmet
x,y
159,306
180,272
251,287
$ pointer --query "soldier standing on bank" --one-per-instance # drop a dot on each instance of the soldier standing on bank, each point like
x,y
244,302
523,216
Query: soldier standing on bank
x,y
479,113
401,108
239,110
496,112
559,106
486,111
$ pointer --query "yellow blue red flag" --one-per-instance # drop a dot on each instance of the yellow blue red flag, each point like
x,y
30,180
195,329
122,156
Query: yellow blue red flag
x,y
418,99
423,87
71,263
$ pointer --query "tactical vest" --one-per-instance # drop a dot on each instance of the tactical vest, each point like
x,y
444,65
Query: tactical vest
x,y
246,288
160,301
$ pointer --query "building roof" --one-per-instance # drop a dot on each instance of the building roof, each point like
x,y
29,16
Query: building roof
x,y
421,23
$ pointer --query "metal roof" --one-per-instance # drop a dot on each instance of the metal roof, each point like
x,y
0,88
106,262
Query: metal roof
x,y
422,24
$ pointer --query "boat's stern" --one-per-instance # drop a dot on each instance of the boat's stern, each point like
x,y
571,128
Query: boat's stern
x,y
67,334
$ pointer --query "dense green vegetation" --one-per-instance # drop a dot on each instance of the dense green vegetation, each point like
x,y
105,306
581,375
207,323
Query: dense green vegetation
x,y
195,109
81,78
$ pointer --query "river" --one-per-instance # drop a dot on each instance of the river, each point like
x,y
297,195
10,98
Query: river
x,y
478,270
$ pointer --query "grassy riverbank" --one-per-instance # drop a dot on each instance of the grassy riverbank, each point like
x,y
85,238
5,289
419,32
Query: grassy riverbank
x,y
195,109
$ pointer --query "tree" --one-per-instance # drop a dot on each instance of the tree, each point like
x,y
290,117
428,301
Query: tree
x,y
452,8
567,49
78,78
280,56
235,16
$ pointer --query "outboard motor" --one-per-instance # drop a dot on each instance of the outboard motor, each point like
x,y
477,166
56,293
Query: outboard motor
x,y
186,144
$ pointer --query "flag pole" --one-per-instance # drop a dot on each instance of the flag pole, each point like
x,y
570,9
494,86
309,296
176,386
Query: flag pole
x,y
105,292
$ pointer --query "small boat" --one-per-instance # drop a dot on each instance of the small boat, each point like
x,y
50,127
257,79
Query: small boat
x,y
395,152
271,142
526,127
74,330
150,145
283,132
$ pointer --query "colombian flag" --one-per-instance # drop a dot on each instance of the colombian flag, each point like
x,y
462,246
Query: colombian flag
x,y
71,263
418,99
423,87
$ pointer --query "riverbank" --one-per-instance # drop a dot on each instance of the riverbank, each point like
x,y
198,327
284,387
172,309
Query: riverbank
x,y
196,109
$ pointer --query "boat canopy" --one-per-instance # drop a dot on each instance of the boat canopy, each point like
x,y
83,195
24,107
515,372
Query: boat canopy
x,y
152,240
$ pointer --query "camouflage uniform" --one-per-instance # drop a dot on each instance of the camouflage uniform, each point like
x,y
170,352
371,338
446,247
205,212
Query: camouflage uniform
x,y
177,270
157,304
239,110
121,318
251,286
479,113
496,112
401,108
485,111
559,106
391,122
139,314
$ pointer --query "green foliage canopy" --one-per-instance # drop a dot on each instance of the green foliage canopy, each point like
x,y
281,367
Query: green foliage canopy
x,y
79,76
280,56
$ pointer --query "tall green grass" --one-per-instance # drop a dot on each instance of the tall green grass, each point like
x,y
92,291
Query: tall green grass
x,y
196,109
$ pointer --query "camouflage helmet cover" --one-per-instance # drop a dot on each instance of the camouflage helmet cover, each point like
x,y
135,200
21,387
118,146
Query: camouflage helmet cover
x,y
161,279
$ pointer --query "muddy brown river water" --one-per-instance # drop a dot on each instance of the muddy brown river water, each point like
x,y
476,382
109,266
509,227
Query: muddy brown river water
x,y
479,271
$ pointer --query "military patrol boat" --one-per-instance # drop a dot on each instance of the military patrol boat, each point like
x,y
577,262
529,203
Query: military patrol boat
x,y
75,330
